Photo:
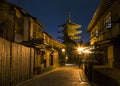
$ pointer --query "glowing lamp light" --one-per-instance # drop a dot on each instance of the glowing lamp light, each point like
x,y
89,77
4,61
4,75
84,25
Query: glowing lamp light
x,y
63,50
66,58
87,51
80,49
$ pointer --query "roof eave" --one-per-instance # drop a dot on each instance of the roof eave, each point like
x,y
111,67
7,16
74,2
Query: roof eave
x,y
99,12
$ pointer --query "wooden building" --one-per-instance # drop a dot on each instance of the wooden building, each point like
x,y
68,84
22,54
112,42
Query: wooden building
x,y
104,29
25,49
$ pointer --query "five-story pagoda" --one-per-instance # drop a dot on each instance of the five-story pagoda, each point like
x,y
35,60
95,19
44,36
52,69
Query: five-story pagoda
x,y
70,31
70,36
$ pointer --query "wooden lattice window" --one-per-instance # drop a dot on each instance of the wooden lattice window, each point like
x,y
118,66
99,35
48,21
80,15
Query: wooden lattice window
x,y
19,25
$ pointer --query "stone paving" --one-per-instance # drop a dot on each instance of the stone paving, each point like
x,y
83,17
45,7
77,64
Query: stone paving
x,y
62,76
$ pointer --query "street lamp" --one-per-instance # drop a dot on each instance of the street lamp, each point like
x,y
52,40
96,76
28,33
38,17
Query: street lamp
x,y
64,57
80,52
63,49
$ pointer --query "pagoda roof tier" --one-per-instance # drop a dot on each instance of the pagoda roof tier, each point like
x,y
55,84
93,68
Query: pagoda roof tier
x,y
73,31
70,30
70,25
75,37
71,37
70,34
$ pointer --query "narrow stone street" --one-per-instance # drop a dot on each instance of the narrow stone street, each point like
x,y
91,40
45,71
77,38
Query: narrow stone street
x,y
62,76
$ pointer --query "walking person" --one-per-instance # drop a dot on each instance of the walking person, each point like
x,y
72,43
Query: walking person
x,y
80,62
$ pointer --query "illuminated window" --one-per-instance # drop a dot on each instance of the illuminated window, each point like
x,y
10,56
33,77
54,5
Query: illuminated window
x,y
97,33
107,22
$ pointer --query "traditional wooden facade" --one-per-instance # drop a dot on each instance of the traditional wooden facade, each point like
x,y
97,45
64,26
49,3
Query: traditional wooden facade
x,y
25,48
57,52
104,29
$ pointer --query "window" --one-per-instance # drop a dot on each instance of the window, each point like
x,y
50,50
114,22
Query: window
x,y
93,33
97,33
107,22
19,25
45,38
36,31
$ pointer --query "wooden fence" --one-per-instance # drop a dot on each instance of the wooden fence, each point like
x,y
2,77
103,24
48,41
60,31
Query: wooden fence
x,y
16,63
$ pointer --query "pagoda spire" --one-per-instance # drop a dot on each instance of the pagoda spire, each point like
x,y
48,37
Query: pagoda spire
x,y
69,17
70,30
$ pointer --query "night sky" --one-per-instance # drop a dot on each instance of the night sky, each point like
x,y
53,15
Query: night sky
x,y
52,13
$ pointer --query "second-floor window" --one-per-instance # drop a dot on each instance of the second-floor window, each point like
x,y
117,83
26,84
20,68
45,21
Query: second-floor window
x,y
35,30
19,25
45,38
97,33
107,22
37,33
93,33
